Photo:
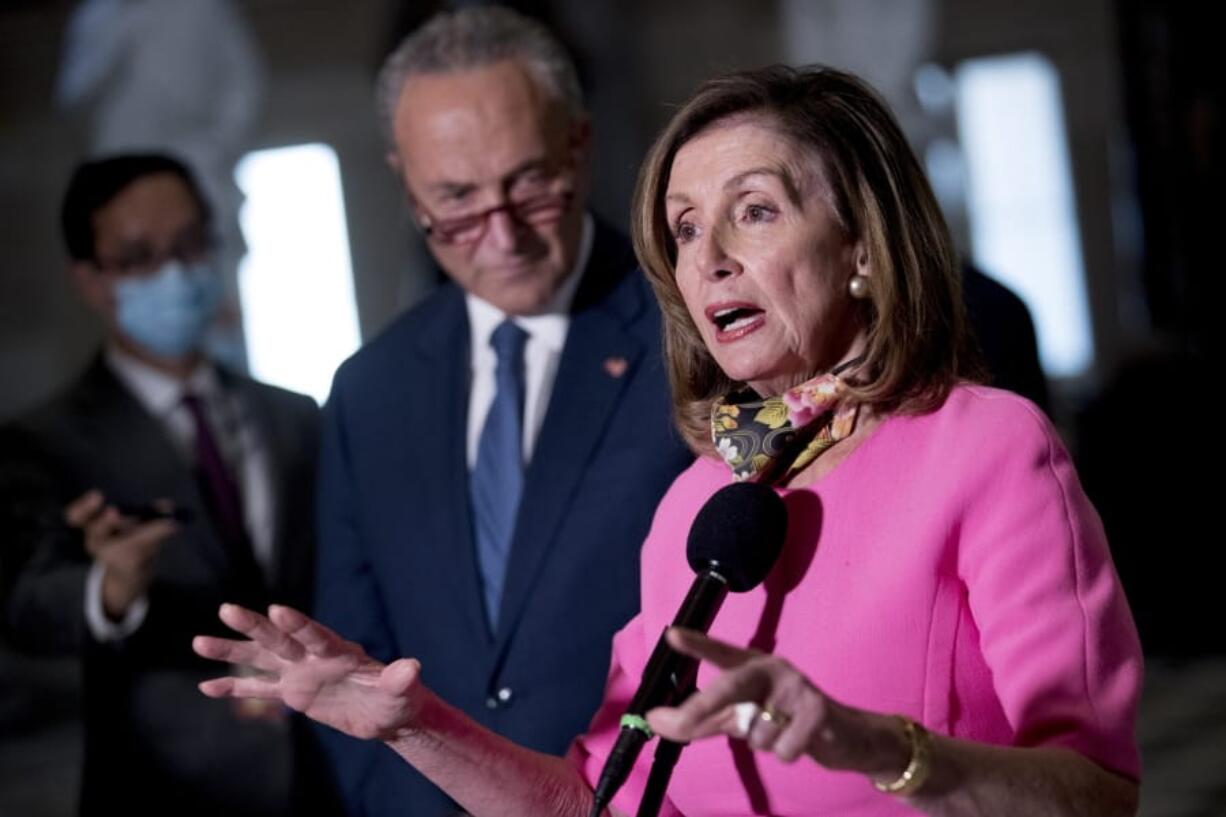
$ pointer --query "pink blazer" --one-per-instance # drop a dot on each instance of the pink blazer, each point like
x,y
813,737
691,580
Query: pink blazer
x,y
950,569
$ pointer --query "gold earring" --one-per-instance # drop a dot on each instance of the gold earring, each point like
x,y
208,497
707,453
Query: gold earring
x,y
857,287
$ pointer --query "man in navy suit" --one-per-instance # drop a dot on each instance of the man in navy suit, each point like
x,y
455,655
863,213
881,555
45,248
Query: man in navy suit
x,y
492,461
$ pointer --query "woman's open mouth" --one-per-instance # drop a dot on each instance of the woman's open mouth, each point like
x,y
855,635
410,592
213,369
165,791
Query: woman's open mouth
x,y
734,321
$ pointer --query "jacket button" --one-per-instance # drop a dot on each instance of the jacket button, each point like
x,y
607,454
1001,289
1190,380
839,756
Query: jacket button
x,y
491,702
504,696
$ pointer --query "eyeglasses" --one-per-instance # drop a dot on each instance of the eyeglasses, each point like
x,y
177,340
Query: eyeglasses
x,y
142,259
545,208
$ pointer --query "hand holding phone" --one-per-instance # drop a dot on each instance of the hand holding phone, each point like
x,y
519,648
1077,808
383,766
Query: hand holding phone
x,y
125,541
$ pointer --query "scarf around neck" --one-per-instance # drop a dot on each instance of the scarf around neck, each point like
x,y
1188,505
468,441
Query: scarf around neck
x,y
769,440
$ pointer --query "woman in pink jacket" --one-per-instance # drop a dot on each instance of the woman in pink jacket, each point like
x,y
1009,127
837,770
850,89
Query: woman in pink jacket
x,y
944,632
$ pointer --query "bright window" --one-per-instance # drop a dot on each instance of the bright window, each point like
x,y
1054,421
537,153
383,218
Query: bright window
x,y
1020,201
296,282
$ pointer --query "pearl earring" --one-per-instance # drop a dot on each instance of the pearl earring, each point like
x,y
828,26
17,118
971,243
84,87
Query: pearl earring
x,y
858,286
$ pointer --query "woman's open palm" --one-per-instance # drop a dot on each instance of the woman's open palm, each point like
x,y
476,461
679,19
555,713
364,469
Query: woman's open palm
x,y
311,669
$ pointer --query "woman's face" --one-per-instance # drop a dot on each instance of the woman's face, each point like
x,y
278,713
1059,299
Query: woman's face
x,y
762,261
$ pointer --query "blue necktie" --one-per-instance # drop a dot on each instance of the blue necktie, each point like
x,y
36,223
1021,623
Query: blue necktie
x,y
497,480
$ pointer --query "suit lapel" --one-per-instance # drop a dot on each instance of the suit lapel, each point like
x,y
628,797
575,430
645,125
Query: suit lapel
x,y
599,359
278,443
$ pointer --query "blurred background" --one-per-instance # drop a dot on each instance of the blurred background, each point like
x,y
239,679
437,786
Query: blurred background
x,y
1077,146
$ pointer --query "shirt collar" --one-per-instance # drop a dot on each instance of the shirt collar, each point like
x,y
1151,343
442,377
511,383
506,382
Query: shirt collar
x,y
548,326
157,391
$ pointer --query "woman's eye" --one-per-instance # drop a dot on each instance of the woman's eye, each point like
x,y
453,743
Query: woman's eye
x,y
685,231
757,212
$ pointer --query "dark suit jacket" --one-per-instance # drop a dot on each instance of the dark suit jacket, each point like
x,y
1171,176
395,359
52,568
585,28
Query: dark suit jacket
x,y
397,567
154,744
1005,333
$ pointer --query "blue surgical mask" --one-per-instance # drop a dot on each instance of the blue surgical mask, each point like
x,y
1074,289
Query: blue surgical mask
x,y
167,313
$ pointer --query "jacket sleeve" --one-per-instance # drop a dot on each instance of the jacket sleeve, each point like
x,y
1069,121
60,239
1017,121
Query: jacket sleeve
x,y
42,560
1055,627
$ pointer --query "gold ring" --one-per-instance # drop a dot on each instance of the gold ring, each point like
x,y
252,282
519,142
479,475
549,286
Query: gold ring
x,y
771,715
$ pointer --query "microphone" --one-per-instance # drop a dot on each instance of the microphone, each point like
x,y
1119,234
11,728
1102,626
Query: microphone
x,y
733,543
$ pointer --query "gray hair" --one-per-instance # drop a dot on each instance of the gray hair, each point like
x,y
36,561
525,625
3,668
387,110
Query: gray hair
x,y
474,37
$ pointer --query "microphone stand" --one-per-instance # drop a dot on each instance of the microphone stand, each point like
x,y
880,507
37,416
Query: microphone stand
x,y
662,764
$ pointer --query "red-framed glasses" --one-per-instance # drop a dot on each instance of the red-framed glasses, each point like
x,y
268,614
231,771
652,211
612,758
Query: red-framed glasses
x,y
545,208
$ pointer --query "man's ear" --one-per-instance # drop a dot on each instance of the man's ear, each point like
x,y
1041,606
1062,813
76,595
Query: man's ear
x,y
92,287
393,162
396,164
579,145
579,152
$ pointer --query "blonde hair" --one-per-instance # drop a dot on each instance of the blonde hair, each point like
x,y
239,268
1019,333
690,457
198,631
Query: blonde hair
x,y
918,342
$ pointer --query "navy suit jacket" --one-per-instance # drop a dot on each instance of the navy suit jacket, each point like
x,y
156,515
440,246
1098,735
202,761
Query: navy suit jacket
x,y
397,567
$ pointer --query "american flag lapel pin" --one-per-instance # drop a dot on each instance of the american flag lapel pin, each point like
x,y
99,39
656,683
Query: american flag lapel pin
x,y
615,365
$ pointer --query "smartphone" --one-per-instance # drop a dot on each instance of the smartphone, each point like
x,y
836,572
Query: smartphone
x,y
147,512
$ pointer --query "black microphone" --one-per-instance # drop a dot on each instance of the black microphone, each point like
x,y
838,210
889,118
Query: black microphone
x,y
733,543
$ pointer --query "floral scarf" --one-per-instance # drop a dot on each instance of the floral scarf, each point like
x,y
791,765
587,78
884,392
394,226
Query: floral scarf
x,y
770,440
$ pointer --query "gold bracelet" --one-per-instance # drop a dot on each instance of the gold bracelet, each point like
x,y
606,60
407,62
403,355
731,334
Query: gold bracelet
x,y
920,765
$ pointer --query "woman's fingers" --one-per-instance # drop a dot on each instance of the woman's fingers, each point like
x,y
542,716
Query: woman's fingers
x,y
794,740
313,636
712,710
771,728
230,687
216,687
246,653
759,698
750,681
671,723
747,677
398,676
262,631
768,724
791,713
703,647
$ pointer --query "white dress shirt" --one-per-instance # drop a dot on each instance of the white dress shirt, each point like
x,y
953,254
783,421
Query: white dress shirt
x,y
542,352
242,447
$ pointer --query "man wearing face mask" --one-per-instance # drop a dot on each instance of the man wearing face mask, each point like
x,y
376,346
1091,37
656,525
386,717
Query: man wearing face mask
x,y
154,488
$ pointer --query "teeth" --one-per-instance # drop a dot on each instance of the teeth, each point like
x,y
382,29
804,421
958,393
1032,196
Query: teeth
x,y
734,317
739,322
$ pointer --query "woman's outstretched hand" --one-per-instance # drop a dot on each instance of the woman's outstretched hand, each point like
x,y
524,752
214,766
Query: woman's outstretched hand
x,y
311,669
